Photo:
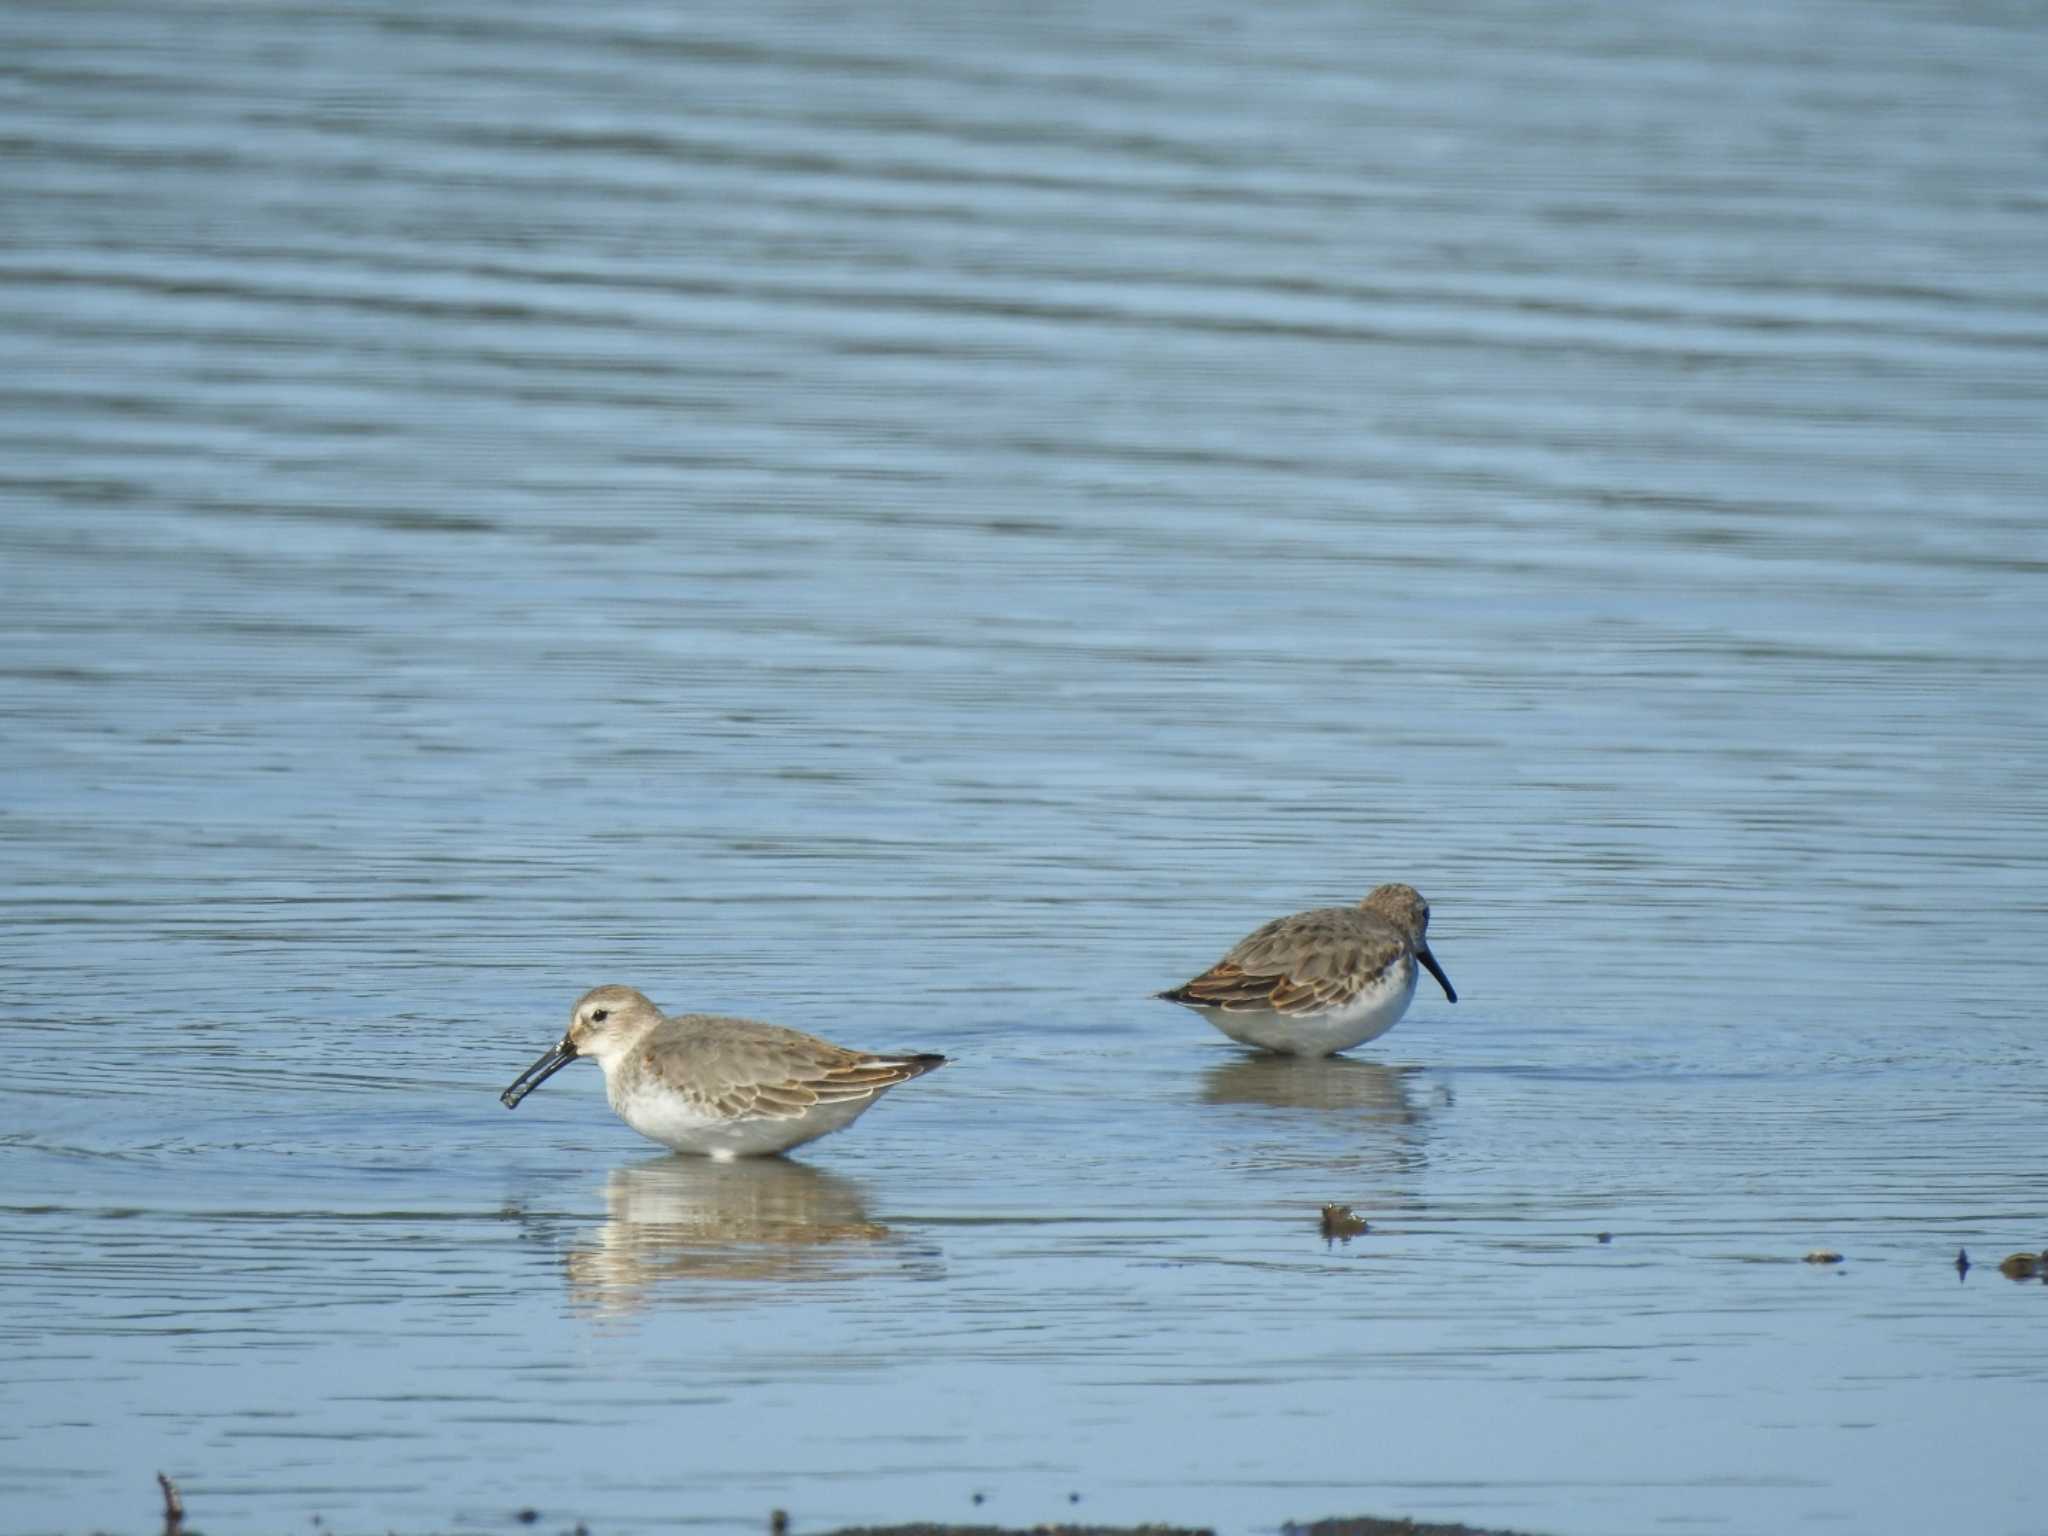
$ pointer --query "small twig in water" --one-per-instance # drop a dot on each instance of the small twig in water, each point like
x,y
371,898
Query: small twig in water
x,y
174,1506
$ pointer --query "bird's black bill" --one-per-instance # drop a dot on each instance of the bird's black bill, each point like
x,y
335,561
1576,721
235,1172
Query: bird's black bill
x,y
556,1058
1437,971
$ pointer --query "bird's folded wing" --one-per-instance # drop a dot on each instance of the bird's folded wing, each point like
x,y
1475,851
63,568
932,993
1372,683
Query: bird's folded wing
x,y
1296,966
783,1075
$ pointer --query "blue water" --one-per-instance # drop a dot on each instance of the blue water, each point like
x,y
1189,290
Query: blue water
x,y
926,525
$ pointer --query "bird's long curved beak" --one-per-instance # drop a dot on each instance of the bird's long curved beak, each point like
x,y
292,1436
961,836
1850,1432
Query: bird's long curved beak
x,y
552,1061
1422,953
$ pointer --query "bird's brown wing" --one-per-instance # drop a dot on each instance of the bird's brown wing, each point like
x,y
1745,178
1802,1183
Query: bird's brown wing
x,y
745,1070
1306,964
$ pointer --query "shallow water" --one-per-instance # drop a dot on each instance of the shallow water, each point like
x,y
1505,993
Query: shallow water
x,y
926,527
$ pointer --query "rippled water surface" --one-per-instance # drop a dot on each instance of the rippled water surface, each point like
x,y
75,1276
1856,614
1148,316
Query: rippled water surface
x,y
925,524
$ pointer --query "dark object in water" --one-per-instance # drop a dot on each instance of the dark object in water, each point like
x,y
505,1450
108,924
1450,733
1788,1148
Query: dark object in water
x,y
174,1506
2021,1266
1340,1224
1604,1237
1823,1256
1370,1525
1962,1262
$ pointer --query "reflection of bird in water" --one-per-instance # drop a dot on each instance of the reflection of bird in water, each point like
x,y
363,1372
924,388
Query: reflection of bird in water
x,y
1352,1117
680,1219
1328,1083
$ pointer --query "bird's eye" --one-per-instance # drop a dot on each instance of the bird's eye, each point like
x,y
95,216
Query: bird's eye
x,y
600,1015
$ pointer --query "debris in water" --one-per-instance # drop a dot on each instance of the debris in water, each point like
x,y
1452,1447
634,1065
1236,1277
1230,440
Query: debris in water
x,y
1341,1224
174,1506
1823,1256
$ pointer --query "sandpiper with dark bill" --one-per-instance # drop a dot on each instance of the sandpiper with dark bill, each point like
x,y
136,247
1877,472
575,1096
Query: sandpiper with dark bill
x,y
1323,980
722,1087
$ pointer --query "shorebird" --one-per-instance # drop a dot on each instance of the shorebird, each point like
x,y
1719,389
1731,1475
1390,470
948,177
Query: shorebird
x,y
723,1087
1323,980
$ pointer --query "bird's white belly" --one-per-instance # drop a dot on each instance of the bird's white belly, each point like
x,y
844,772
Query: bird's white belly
x,y
1366,1017
680,1125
